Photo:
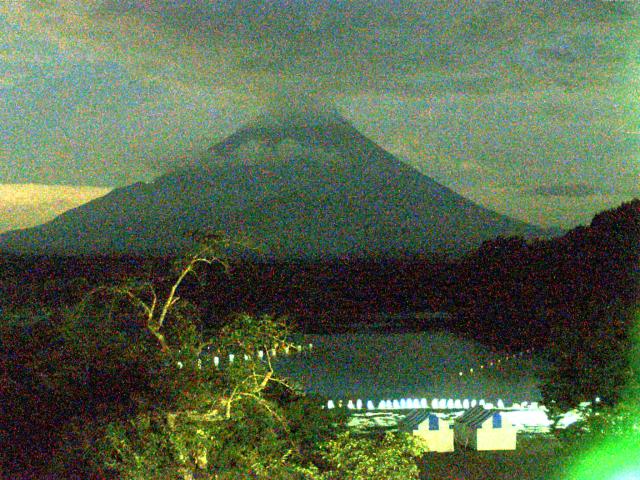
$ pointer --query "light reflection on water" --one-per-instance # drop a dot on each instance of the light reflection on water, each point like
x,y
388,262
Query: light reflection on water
x,y
416,365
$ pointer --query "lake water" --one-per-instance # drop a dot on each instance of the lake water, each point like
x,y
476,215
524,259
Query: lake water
x,y
409,365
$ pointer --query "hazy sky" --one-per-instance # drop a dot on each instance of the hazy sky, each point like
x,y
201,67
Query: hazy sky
x,y
531,110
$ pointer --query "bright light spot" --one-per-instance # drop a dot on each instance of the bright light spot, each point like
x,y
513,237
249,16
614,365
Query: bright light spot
x,y
613,459
628,475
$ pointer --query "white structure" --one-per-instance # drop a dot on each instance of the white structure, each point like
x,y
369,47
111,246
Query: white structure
x,y
436,432
482,429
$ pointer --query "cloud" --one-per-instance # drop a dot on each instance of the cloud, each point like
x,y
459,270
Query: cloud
x,y
469,92
328,44
565,190
545,210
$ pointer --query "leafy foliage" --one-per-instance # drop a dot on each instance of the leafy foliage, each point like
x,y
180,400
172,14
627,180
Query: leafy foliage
x,y
390,457
128,380
593,362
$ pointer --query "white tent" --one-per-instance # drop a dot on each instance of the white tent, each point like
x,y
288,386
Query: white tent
x,y
482,429
436,432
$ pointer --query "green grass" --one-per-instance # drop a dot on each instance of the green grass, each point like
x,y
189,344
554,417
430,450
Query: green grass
x,y
539,457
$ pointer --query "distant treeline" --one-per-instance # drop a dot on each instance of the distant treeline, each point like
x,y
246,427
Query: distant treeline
x,y
509,293
525,293
318,295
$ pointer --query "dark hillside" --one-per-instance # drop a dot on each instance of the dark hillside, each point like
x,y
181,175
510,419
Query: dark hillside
x,y
516,292
509,292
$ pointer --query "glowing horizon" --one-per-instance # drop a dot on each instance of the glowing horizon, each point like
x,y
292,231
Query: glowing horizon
x,y
27,205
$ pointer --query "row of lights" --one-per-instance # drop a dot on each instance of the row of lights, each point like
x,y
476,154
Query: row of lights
x,y
498,361
271,352
413,403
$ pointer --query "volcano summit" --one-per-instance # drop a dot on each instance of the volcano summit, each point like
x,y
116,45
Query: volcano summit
x,y
301,181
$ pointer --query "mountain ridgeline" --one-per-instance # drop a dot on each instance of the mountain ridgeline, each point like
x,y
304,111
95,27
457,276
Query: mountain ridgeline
x,y
303,182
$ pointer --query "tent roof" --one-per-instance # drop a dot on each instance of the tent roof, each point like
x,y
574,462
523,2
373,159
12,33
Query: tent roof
x,y
474,417
416,417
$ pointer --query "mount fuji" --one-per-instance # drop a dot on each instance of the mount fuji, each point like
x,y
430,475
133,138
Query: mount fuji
x,y
299,180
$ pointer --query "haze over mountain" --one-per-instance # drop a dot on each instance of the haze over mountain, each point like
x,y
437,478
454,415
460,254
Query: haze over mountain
x,y
300,180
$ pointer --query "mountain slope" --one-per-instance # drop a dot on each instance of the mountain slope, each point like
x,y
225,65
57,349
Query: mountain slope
x,y
303,182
